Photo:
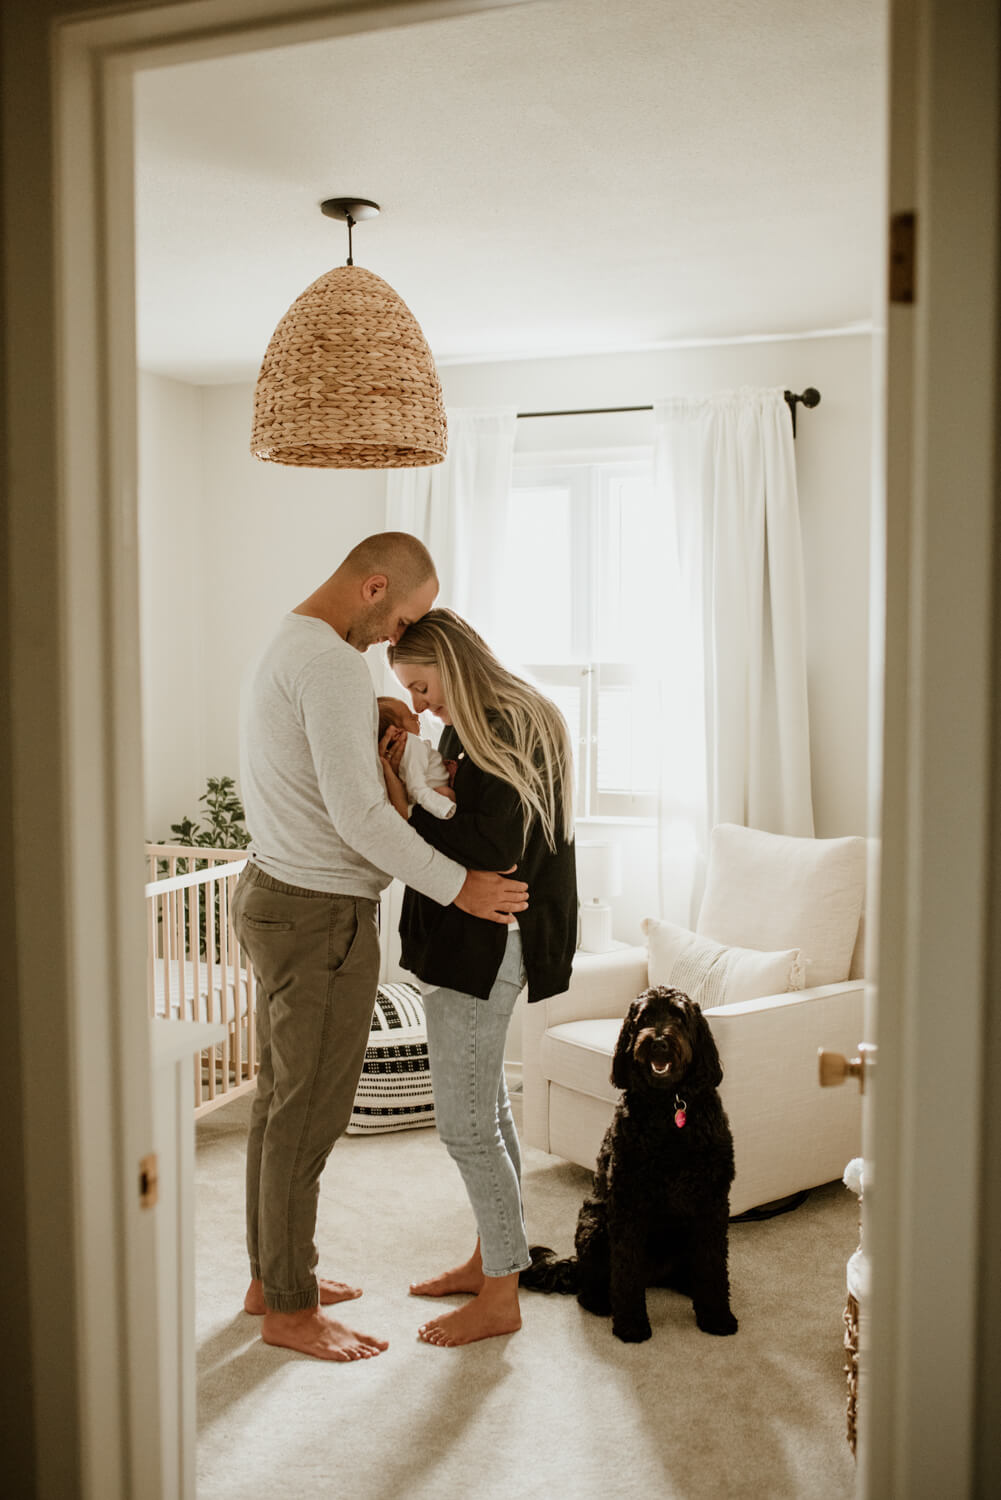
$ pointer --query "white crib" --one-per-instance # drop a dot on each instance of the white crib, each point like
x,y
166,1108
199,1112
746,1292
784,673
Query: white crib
x,y
196,969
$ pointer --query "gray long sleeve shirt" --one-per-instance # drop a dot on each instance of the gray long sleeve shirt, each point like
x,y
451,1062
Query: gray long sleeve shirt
x,y
310,777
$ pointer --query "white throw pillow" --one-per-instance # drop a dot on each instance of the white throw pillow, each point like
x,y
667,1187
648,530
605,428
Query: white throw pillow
x,y
768,890
713,974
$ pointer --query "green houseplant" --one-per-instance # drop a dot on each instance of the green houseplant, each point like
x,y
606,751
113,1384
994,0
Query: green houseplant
x,y
224,829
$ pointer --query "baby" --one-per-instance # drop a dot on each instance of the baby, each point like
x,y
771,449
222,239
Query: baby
x,y
422,769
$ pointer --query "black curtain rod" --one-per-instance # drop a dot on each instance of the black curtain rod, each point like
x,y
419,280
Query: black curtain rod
x,y
809,397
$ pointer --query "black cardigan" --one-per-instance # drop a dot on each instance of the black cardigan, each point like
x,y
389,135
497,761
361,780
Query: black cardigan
x,y
445,946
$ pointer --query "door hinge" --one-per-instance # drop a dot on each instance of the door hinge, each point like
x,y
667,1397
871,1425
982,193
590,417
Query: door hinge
x,y
148,1181
902,249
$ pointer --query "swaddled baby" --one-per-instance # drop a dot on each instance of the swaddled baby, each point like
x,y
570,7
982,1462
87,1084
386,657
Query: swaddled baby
x,y
422,770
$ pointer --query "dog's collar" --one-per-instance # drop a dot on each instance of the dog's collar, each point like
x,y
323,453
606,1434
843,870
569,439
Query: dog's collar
x,y
680,1111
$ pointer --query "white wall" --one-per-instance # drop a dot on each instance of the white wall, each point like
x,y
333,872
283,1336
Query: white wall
x,y
230,543
275,533
172,557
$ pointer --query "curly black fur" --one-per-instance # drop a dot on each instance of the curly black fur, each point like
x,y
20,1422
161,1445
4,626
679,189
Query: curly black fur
x,y
659,1208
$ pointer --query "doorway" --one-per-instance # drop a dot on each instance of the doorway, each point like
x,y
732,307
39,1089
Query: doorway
x,y
941,902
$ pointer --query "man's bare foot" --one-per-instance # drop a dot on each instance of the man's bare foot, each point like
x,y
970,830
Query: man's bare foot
x,y
309,1332
468,1277
494,1311
330,1291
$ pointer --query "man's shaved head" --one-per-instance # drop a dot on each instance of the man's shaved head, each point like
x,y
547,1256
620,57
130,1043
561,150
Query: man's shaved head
x,y
383,585
402,558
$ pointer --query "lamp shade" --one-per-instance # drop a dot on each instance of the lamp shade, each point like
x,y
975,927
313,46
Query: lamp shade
x,y
348,381
598,870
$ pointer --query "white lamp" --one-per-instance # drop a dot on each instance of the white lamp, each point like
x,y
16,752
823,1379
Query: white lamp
x,y
598,878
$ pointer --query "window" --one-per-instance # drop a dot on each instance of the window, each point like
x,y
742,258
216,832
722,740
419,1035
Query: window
x,y
584,617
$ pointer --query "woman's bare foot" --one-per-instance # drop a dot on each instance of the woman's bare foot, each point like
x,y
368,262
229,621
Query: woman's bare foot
x,y
330,1291
468,1277
309,1332
492,1312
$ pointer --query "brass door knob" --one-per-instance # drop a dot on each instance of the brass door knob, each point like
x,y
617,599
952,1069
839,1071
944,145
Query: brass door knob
x,y
834,1067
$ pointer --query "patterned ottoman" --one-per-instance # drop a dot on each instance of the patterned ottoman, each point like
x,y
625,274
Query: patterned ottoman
x,y
394,1091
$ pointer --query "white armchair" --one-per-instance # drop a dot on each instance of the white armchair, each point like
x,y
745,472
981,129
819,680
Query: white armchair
x,y
788,1132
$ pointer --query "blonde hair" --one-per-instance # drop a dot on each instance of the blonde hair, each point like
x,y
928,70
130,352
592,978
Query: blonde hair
x,y
507,727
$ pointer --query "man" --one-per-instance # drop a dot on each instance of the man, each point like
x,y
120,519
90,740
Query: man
x,y
323,835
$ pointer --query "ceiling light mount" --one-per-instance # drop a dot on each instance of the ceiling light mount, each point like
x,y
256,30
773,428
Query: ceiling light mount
x,y
351,211
348,380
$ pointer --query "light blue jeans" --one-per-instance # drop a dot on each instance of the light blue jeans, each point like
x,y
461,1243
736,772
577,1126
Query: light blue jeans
x,y
466,1039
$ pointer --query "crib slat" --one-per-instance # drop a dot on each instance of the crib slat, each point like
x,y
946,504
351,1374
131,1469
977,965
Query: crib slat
x,y
193,947
224,982
211,939
180,948
195,938
212,927
151,935
168,948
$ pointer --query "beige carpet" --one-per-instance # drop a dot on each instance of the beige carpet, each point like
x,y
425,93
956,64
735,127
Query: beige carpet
x,y
561,1409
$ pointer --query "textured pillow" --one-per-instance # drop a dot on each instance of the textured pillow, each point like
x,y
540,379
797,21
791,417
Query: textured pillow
x,y
394,1091
713,974
768,890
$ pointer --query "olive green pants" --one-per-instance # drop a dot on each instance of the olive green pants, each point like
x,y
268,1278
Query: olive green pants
x,y
316,957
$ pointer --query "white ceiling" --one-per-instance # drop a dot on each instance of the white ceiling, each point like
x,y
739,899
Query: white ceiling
x,y
558,177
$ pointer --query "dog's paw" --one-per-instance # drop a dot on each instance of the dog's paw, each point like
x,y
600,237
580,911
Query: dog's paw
x,y
719,1323
594,1302
632,1333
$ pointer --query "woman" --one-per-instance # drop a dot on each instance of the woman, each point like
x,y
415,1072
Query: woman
x,y
513,787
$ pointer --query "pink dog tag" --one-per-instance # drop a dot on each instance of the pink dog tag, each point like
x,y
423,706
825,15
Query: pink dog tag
x,y
680,1117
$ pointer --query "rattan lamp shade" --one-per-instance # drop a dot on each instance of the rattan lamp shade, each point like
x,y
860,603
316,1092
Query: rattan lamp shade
x,y
348,381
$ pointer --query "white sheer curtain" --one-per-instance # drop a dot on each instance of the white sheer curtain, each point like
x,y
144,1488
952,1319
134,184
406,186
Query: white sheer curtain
x,y
459,510
734,723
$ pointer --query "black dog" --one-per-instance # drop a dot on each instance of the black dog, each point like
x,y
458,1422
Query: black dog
x,y
659,1209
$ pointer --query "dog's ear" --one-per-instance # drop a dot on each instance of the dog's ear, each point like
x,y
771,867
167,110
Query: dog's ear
x,y
705,1071
624,1045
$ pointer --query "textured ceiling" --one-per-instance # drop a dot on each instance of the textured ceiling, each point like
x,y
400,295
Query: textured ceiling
x,y
558,177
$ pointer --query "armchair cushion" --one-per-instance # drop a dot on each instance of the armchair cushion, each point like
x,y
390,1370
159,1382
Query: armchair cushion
x,y
771,891
712,973
578,1055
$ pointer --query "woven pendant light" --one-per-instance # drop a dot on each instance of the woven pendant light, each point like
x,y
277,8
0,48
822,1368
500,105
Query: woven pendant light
x,y
348,381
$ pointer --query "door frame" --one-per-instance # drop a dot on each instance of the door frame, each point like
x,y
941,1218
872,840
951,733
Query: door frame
x,y
929,1114
933,935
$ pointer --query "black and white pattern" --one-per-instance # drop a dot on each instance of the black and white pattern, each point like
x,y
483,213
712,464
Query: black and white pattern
x,y
394,1091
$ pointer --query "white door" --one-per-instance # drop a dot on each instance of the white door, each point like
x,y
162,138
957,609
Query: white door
x,y
923,1119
